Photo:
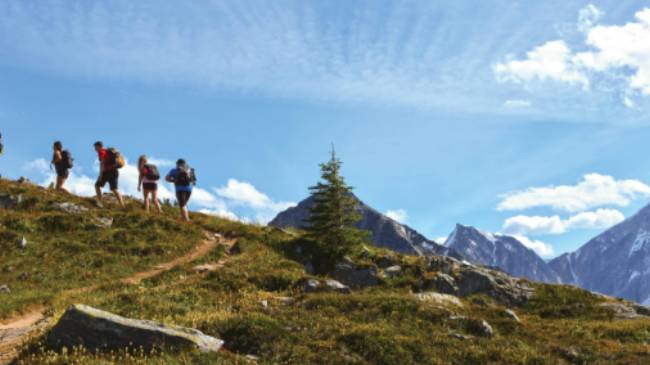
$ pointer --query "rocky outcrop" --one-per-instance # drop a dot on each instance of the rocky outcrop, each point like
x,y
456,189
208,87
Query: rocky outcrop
x,y
440,299
97,330
462,278
385,232
356,277
315,286
70,208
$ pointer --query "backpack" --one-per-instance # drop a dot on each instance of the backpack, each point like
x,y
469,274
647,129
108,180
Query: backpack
x,y
185,176
66,159
115,158
151,172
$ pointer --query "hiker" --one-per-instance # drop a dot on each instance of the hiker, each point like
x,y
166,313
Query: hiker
x,y
2,148
184,180
110,161
62,161
148,182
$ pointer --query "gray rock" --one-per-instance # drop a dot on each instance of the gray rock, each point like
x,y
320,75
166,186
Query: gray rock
x,y
459,336
512,315
393,271
103,223
23,180
442,283
23,243
335,286
348,274
311,285
497,285
484,329
8,201
70,208
621,310
444,264
97,330
5,289
387,261
440,299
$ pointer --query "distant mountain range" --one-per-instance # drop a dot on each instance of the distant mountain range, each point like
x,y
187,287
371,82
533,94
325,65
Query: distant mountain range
x,y
500,251
385,231
615,263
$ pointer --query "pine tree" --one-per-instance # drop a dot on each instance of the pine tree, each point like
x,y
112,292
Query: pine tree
x,y
330,226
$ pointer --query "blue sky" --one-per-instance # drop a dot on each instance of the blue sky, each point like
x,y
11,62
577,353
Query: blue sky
x,y
528,118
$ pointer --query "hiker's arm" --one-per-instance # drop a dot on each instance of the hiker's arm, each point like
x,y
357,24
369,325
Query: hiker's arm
x,y
169,178
140,178
57,156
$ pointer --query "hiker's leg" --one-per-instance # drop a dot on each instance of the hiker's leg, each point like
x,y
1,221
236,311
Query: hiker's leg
x,y
113,182
119,197
154,196
146,200
98,190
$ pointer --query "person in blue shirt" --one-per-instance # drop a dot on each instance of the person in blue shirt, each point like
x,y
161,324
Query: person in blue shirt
x,y
184,180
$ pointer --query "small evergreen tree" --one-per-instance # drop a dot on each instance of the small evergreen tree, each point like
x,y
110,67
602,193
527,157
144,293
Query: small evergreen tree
x,y
331,225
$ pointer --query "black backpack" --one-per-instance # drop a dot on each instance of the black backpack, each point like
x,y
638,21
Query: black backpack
x,y
185,176
152,172
66,159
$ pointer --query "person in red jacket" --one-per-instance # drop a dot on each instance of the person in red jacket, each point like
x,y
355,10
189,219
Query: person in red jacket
x,y
108,173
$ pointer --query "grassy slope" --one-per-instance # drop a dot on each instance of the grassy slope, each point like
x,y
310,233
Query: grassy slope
x,y
385,325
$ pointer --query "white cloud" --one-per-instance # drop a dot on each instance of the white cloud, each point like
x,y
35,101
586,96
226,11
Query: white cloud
x,y
399,215
552,61
616,54
541,248
243,193
517,104
588,17
594,190
539,225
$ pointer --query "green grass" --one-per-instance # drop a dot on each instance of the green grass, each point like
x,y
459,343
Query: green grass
x,y
383,325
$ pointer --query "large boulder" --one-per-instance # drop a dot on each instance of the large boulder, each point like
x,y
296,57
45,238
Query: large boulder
x,y
70,208
442,283
356,277
97,330
505,289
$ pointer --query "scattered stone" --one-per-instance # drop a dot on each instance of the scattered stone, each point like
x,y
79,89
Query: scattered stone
x,y
22,180
512,315
459,336
23,277
483,329
621,310
8,201
98,330
393,271
235,249
252,358
311,285
442,283
70,208
206,268
264,303
347,273
23,243
335,286
641,310
571,355
365,252
285,300
441,299
5,289
101,222
8,269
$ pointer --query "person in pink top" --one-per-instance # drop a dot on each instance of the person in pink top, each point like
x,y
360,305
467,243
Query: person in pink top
x,y
148,182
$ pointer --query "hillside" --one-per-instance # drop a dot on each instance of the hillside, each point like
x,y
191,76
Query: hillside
x,y
251,291
504,252
385,232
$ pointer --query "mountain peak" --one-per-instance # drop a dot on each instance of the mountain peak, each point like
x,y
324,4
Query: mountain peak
x,y
504,252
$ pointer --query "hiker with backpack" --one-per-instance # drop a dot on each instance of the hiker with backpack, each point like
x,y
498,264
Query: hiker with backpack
x,y
62,161
148,182
110,161
184,180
